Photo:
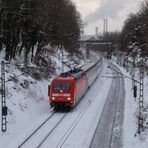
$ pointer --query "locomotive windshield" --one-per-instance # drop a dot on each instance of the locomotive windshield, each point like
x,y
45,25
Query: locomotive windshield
x,y
61,86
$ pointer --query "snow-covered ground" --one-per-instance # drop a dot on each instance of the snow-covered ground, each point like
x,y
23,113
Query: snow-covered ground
x,y
27,100
130,136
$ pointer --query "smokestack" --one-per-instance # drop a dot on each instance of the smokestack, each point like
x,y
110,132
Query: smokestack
x,y
105,27
96,32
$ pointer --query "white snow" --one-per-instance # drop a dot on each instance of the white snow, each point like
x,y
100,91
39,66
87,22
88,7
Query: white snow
x,y
130,136
29,107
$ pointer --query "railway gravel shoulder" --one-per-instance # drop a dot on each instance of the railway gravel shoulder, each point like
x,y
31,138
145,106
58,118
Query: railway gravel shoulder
x,y
109,130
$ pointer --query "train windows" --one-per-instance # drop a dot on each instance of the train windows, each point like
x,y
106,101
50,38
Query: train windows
x,y
61,86
65,86
56,86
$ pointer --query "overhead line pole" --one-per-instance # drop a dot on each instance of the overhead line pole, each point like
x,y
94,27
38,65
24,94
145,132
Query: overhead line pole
x,y
3,99
141,98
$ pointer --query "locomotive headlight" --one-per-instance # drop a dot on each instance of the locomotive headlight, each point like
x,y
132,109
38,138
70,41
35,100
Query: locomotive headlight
x,y
68,99
53,98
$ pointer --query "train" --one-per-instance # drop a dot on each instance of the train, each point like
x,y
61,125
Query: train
x,y
67,89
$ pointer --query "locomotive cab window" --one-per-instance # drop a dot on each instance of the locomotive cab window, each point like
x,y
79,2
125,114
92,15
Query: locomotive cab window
x,y
61,86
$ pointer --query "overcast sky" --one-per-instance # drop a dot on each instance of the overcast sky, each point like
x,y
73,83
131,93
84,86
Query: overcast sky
x,y
116,11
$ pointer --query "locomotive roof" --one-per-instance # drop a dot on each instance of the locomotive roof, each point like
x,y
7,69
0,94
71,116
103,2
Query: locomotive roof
x,y
73,74
62,77
78,75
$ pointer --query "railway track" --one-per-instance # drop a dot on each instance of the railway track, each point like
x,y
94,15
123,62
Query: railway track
x,y
42,138
38,131
77,119
35,131
75,122
108,133
68,132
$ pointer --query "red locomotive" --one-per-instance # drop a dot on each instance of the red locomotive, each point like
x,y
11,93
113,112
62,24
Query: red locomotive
x,y
67,89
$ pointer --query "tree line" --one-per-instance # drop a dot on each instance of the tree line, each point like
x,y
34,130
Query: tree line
x,y
26,24
135,30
